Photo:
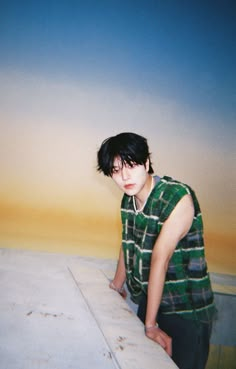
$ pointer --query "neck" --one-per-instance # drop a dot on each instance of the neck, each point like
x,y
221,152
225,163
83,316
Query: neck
x,y
141,198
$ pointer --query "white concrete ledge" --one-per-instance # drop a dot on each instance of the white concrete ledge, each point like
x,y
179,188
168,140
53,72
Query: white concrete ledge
x,y
122,330
57,312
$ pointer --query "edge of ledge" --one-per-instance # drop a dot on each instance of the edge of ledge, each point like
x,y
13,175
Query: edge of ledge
x,y
121,328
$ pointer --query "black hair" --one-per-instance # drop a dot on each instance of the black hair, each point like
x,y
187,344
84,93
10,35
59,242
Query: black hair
x,y
131,148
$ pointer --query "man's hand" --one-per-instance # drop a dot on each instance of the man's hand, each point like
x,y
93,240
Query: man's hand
x,y
123,293
160,337
121,290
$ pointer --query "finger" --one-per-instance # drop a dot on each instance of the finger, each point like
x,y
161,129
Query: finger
x,y
169,347
162,339
161,342
166,343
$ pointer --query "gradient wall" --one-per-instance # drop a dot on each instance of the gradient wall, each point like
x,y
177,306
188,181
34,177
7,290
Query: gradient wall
x,y
71,76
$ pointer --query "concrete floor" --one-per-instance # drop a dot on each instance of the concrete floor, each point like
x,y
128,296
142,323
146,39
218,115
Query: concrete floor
x,y
57,312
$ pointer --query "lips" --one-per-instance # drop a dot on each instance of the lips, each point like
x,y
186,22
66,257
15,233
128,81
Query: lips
x,y
129,186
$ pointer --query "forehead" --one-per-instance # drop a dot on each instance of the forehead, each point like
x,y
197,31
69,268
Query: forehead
x,y
117,162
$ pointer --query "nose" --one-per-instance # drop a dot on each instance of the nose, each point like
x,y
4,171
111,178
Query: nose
x,y
124,173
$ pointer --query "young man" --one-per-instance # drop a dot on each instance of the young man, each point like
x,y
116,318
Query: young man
x,y
162,255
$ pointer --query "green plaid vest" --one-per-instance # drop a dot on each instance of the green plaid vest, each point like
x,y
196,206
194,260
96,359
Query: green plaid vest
x,y
187,290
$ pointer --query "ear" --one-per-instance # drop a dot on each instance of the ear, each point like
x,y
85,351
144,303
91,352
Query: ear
x,y
147,165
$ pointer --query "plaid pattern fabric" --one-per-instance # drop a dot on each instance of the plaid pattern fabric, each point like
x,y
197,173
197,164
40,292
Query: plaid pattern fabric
x,y
187,290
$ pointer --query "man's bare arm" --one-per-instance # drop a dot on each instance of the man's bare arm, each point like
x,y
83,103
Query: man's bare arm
x,y
174,229
120,275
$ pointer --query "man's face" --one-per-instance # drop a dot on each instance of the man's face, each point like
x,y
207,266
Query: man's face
x,y
130,179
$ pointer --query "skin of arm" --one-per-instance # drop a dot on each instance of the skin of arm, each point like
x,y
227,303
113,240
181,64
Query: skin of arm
x,y
120,275
173,230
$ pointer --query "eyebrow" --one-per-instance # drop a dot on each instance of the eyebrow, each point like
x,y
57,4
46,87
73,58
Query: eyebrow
x,y
116,167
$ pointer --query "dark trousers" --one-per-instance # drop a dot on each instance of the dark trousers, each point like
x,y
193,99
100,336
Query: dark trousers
x,y
190,338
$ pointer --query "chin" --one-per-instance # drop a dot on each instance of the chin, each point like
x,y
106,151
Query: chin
x,y
130,192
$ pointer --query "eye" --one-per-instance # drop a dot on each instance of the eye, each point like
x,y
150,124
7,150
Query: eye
x,y
115,170
130,165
